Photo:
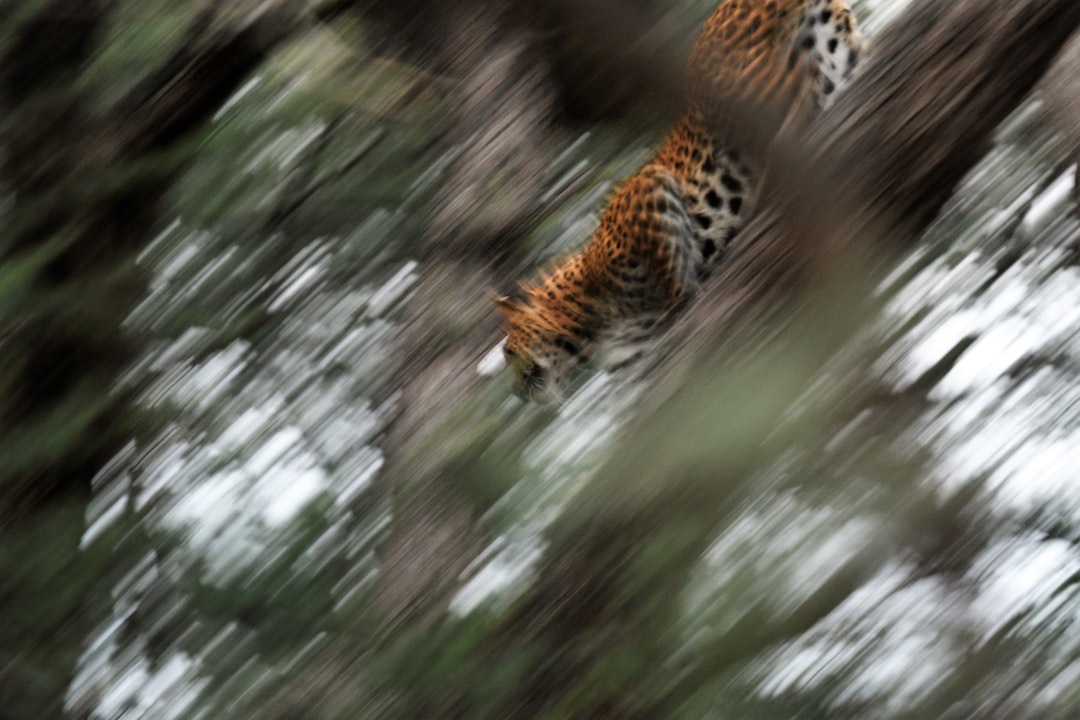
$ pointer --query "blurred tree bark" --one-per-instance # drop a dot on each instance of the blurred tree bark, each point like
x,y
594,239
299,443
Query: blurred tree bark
x,y
85,195
1061,91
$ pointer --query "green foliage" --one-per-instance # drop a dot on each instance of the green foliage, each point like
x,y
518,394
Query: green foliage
x,y
139,31
54,590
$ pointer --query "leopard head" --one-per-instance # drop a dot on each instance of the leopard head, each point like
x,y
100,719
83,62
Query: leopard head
x,y
543,348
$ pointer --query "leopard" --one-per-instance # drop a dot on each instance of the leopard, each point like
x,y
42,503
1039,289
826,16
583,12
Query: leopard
x,y
666,226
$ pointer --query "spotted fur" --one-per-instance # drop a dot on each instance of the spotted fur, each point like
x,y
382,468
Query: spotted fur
x,y
668,223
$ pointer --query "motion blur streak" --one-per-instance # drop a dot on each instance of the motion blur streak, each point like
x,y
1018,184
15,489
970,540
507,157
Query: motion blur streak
x,y
251,470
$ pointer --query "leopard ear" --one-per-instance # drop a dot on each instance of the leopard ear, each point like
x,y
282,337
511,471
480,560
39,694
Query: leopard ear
x,y
506,304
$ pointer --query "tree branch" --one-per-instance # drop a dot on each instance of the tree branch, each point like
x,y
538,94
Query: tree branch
x,y
889,154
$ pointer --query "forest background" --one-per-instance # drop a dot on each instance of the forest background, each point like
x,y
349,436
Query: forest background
x,y
249,467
